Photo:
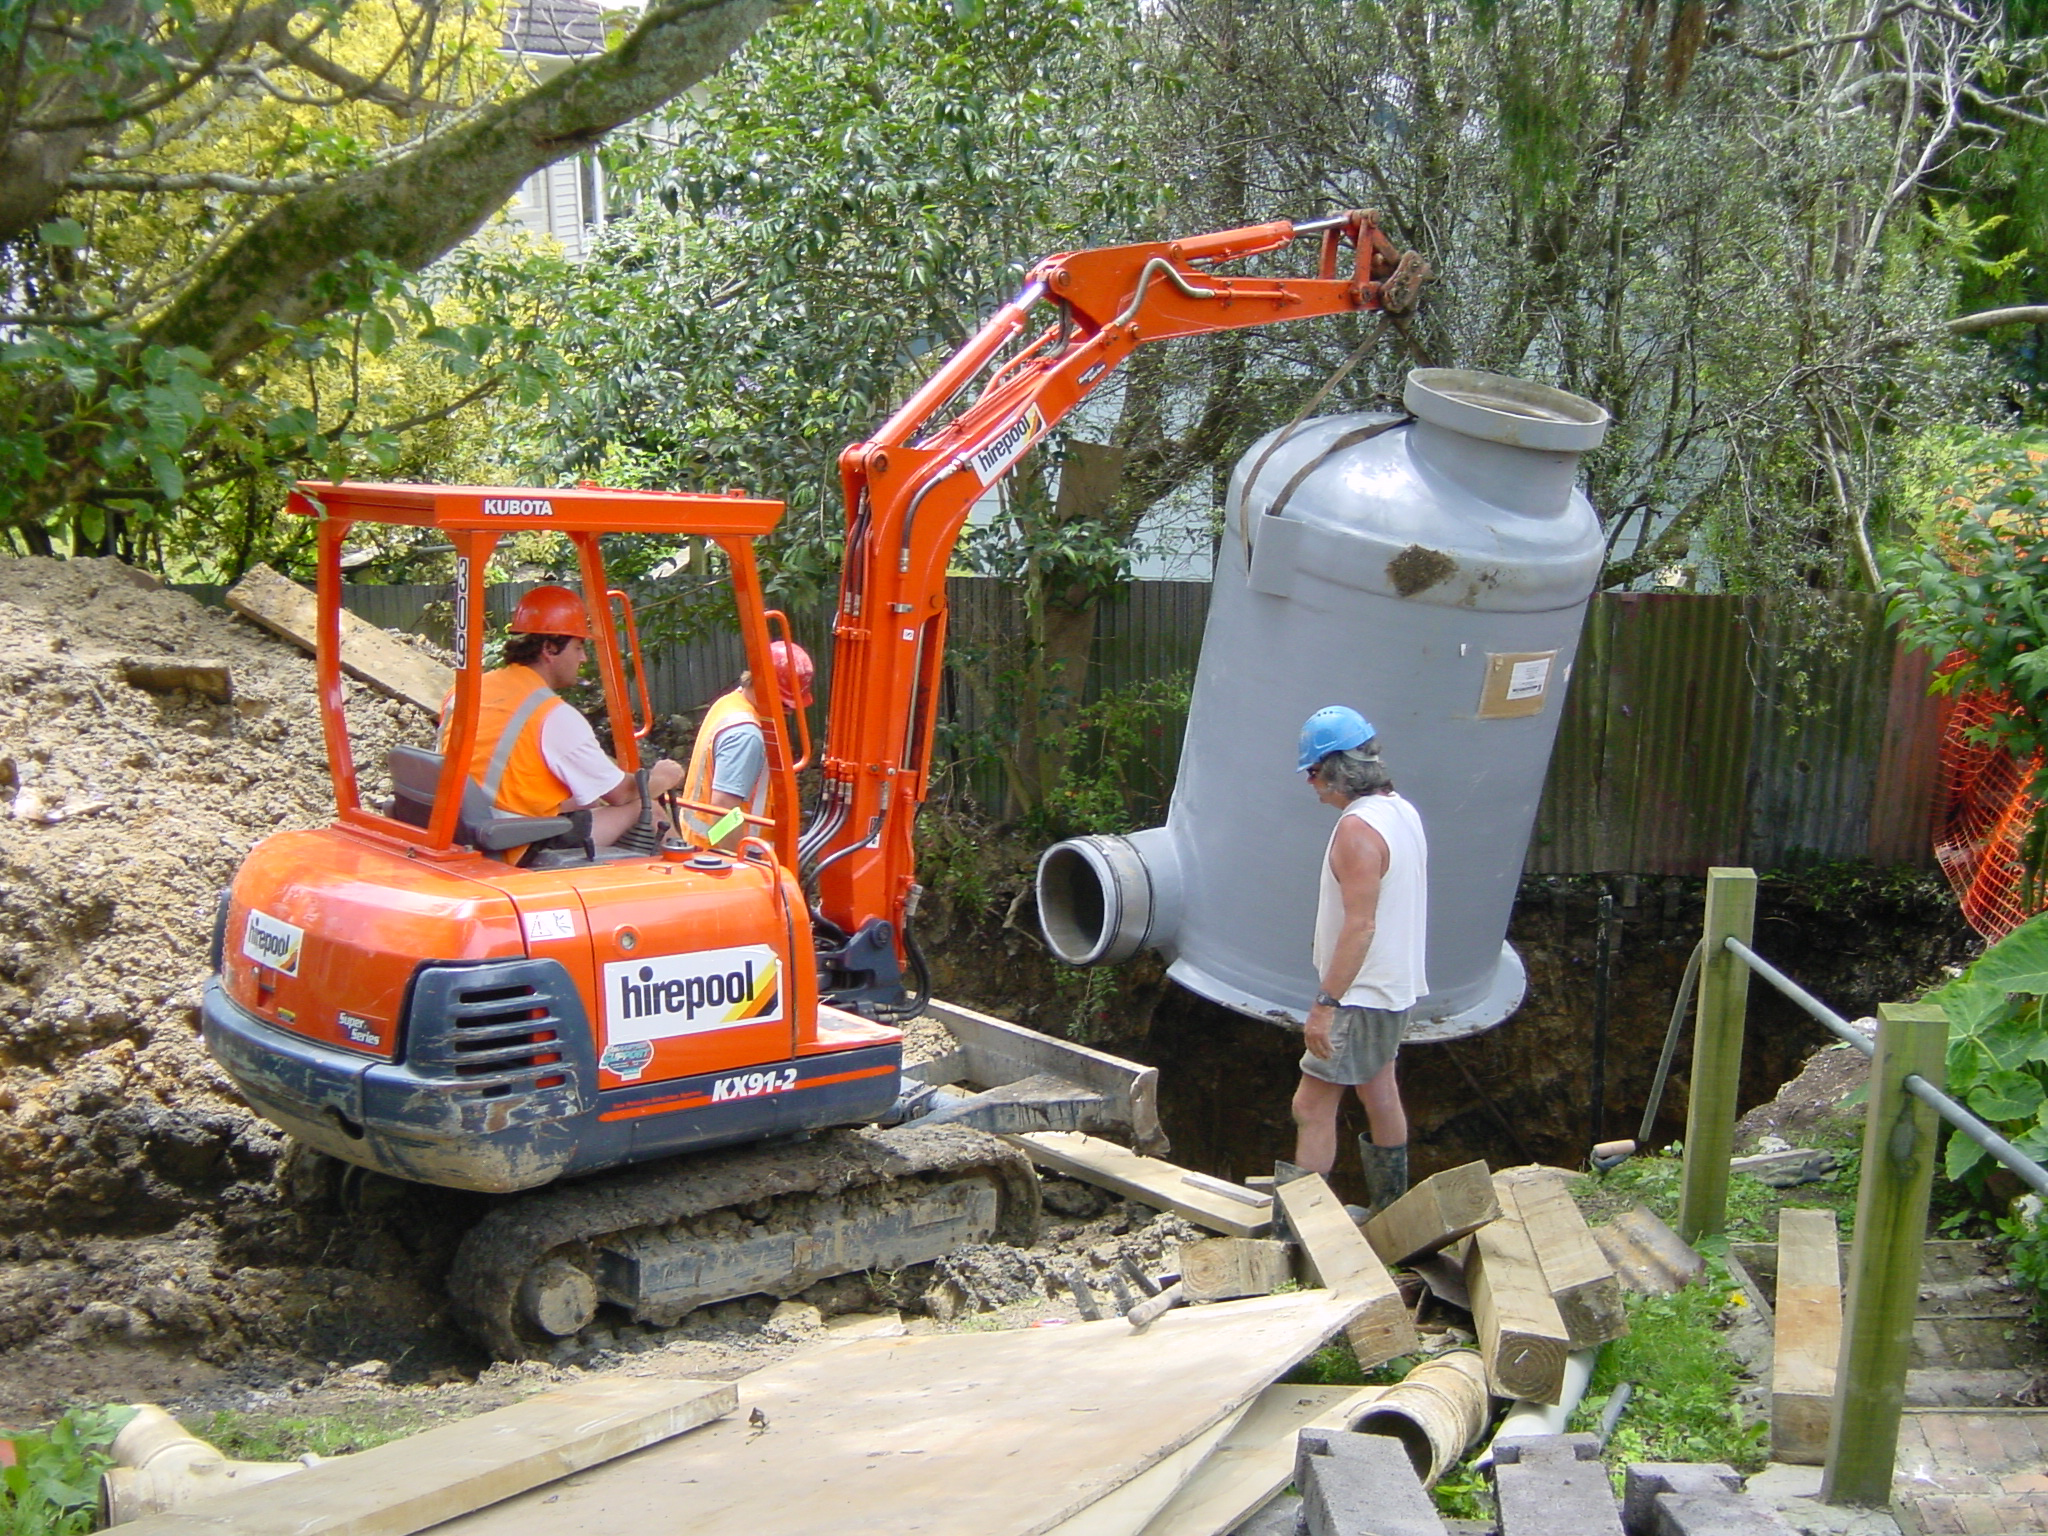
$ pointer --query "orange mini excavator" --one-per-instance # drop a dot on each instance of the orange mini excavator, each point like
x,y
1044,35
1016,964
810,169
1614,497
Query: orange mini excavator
x,y
639,1048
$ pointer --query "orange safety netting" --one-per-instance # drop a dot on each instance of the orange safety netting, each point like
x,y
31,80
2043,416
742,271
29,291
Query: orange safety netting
x,y
1982,811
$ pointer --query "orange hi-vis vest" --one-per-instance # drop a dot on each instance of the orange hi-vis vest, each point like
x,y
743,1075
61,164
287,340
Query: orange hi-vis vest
x,y
726,711
507,759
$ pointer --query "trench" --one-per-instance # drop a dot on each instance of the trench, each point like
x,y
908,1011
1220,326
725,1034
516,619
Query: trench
x,y
1521,1092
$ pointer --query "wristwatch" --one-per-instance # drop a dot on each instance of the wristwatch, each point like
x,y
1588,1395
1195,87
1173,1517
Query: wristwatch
x,y
1324,1000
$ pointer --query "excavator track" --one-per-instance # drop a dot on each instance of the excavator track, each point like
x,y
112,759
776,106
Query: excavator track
x,y
663,1238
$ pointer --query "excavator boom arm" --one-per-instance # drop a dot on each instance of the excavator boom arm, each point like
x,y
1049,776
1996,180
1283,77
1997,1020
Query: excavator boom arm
x,y
910,487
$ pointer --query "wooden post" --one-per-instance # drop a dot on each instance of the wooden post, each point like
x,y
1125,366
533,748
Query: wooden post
x,y
1716,1055
1884,1266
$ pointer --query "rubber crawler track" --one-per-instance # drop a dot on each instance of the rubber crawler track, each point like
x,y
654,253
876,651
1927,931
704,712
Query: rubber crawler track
x,y
498,1251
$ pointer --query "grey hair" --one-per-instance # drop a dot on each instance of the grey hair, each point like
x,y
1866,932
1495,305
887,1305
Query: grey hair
x,y
1355,771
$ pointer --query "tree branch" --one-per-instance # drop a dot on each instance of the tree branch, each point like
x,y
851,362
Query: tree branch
x,y
415,208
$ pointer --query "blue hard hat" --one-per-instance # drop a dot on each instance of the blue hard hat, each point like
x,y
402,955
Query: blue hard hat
x,y
1333,728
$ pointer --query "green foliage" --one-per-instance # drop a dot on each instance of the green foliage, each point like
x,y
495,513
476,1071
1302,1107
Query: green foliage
x,y
1465,1493
2026,1256
1110,781
53,1487
1334,1365
1998,1047
813,232
125,430
1979,583
1685,1405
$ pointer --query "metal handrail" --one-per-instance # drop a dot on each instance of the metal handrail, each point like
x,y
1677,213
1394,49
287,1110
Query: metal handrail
x,y
2029,1171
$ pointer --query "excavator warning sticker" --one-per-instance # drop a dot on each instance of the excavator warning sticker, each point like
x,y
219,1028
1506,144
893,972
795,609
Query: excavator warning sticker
x,y
555,923
273,942
669,995
1008,445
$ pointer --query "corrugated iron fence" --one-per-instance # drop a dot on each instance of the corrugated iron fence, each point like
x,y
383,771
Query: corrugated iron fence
x,y
1760,731
1763,731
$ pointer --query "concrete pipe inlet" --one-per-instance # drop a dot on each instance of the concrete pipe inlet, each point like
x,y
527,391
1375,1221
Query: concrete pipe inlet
x,y
1094,900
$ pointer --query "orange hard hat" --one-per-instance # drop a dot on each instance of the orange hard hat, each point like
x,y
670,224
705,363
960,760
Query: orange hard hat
x,y
794,670
551,611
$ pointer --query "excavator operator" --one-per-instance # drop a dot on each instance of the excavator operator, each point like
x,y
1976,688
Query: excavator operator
x,y
729,761
535,754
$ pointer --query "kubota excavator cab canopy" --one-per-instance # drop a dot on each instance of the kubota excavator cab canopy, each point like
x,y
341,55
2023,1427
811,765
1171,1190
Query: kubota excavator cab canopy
x,y
474,519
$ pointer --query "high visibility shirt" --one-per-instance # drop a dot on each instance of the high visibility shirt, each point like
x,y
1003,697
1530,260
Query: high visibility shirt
x,y
729,712
507,759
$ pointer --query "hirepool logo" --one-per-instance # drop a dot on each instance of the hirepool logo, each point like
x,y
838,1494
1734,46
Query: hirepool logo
x,y
671,995
1008,445
518,506
273,942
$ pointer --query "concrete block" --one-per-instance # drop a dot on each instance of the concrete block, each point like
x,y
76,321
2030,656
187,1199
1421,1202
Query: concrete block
x,y
1665,1498
1554,1485
1717,1514
1361,1485
1648,1479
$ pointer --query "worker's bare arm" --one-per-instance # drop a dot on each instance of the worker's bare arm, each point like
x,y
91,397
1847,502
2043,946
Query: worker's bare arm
x,y
1358,858
663,777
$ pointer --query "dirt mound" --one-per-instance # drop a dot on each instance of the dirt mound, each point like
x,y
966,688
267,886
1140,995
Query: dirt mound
x,y
124,809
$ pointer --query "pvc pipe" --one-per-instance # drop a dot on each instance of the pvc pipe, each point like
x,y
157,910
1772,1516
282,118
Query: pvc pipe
x,y
159,1464
1437,1412
1526,1420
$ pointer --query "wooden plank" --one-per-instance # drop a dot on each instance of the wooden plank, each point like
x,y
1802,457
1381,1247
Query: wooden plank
x,y
1256,1459
1148,1180
1581,1279
285,608
444,1473
1716,1055
1808,1335
1521,1337
978,1434
1339,1257
1646,1254
1884,1279
994,1051
1434,1214
1129,1509
1220,1268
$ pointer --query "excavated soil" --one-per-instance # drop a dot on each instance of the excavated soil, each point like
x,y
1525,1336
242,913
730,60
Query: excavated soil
x,y
155,1242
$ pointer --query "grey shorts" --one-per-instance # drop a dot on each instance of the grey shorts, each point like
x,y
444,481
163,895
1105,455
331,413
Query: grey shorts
x,y
1362,1042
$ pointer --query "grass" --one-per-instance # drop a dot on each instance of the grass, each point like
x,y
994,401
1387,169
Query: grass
x,y
1685,1405
1753,1205
1335,1365
259,1437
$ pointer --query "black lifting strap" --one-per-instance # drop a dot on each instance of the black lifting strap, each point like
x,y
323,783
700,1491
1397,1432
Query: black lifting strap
x,y
1359,354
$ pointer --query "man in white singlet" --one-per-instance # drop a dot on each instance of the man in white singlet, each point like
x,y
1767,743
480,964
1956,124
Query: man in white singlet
x,y
1371,924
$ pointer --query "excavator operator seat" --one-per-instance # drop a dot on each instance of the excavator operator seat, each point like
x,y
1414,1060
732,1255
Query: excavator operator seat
x,y
416,773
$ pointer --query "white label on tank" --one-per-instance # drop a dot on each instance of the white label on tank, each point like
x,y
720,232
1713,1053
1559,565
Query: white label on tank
x,y
1527,679
665,996
273,942
555,923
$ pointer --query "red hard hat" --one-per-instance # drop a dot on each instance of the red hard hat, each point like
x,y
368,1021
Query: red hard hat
x,y
551,611
793,672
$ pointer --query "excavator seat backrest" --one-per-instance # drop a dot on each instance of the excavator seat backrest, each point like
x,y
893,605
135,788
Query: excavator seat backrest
x,y
416,774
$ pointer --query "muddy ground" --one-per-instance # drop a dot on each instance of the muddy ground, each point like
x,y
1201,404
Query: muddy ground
x,y
155,1245
1520,1093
